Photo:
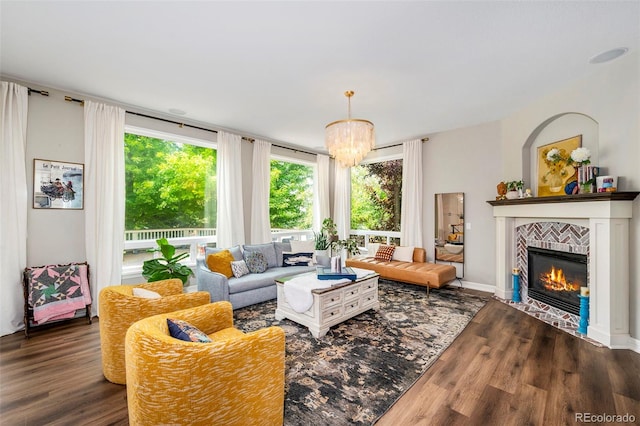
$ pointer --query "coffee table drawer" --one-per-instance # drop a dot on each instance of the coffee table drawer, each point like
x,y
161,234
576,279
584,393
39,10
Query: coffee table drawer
x,y
352,292
331,299
332,313
351,305
369,285
370,297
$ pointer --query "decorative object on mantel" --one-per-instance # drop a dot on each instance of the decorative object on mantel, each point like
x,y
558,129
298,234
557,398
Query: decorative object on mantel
x,y
502,191
349,140
599,196
528,193
606,183
580,158
555,173
514,189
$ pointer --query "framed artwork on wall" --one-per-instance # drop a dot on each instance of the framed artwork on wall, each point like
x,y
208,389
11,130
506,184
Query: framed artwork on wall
x,y
555,175
58,185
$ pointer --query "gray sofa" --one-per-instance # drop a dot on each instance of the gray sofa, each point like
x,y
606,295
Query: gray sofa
x,y
252,288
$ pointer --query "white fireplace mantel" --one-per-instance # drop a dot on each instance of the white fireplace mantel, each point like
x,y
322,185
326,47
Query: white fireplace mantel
x,y
607,217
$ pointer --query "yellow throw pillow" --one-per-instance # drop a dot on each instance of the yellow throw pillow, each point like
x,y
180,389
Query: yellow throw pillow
x,y
221,262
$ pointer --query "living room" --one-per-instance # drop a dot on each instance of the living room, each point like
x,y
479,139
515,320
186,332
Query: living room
x,y
602,104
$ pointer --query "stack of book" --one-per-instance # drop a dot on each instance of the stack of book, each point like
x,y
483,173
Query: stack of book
x,y
587,178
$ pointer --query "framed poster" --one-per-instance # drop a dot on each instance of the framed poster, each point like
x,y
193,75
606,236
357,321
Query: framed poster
x,y
57,185
555,175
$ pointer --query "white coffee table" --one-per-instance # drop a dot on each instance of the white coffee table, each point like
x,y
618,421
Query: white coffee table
x,y
331,305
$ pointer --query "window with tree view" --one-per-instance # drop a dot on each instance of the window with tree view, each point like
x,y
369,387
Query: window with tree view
x,y
291,196
376,196
170,192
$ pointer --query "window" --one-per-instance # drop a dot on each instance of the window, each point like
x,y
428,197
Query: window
x,y
170,188
291,196
376,197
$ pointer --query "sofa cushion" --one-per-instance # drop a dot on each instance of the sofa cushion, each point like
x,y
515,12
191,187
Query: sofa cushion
x,y
266,279
403,253
297,259
256,261
385,253
183,330
281,247
236,251
239,268
221,263
372,249
268,250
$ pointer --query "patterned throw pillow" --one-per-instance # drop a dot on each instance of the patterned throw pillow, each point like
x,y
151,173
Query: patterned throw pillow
x,y
296,259
256,262
221,263
239,268
385,253
181,329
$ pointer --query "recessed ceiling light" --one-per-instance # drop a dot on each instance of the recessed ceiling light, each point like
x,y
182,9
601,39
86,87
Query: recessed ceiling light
x,y
609,55
177,111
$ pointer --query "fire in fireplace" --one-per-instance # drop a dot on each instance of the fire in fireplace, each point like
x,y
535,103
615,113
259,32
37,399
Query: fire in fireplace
x,y
555,277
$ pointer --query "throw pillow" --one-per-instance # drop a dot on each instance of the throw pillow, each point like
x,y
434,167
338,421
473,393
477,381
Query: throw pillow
x,y
372,249
239,268
297,259
256,262
181,329
302,246
268,250
403,254
145,294
221,263
385,253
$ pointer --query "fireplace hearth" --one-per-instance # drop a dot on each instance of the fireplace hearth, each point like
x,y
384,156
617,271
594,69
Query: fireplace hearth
x,y
555,277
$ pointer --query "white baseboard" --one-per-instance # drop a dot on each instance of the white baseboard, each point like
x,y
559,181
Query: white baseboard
x,y
475,286
634,344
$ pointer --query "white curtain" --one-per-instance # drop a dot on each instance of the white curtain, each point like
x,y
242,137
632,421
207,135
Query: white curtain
x,y
13,209
411,216
260,222
342,200
230,223
321,209
104,194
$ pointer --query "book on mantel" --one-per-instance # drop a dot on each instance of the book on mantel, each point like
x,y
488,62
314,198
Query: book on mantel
x,y
326,274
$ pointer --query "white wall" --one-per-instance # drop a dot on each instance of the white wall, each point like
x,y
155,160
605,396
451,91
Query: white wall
x,y
610,95
55,131
467,160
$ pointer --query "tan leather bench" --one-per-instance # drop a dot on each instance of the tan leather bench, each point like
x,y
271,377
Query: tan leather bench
x,y
418,272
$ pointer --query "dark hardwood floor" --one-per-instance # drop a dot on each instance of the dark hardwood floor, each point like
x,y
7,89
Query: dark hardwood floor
x,y
505,368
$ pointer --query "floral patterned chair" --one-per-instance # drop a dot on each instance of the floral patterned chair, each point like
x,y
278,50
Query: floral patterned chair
x,y
236,379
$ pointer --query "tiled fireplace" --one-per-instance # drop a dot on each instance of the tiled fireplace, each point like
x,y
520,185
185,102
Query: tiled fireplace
x,y
591,227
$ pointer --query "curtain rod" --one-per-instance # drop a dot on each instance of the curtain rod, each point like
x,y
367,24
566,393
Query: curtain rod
x,y
397,144
181,125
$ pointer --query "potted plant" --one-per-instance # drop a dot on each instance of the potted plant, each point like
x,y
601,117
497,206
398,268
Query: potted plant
x,y
324,240
514,189
168,266
348,244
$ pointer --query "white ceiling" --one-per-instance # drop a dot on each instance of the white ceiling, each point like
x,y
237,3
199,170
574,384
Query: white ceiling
x,y
278,70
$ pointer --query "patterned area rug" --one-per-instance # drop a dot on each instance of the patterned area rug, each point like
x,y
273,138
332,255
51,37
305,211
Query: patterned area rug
x,y
362,366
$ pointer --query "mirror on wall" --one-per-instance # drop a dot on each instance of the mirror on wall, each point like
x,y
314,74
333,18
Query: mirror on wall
x,y
449,228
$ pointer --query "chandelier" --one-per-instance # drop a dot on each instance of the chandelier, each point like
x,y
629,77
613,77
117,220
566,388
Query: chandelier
x,y
348,141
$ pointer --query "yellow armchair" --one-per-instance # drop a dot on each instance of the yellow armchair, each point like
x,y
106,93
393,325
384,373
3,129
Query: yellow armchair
x,y
237,379
119,308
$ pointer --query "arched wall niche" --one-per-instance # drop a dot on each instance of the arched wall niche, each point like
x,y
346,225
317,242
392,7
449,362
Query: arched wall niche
x,y
556,128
